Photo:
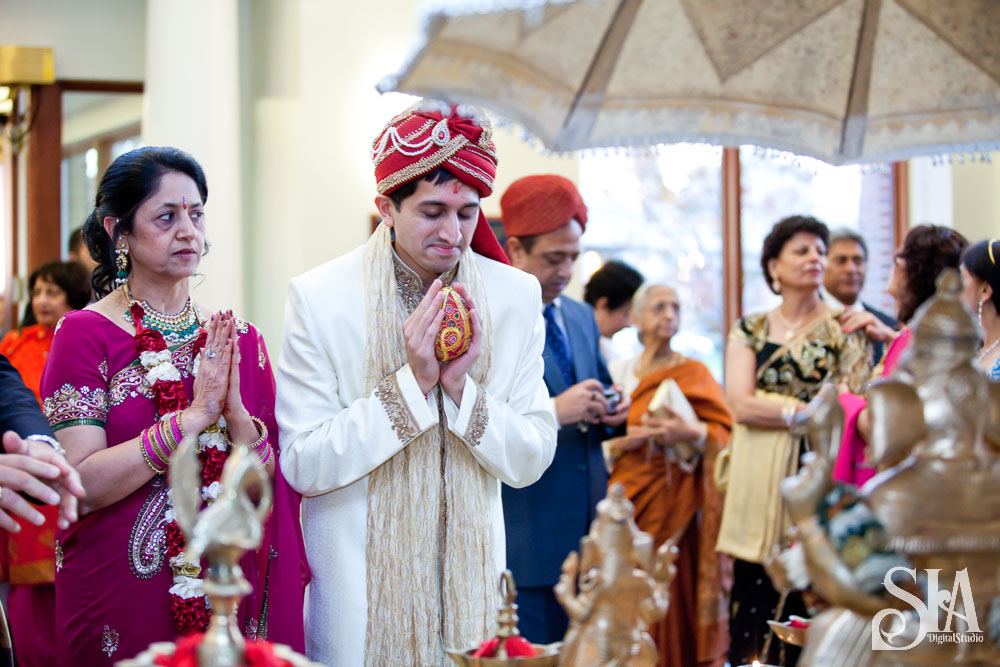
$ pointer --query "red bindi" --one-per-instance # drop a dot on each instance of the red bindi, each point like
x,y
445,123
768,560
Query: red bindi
x,y
184,202
455,187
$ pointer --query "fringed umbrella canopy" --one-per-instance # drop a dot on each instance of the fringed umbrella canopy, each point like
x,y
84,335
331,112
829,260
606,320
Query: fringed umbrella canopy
x,y
840,80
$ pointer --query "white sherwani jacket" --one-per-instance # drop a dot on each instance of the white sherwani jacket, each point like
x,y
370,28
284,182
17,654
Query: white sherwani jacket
x,y
333,433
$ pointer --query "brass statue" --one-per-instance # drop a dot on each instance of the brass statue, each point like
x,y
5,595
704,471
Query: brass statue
x,y
623,588
935,427
221,533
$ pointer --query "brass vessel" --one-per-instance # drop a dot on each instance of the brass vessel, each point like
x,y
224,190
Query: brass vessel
x,y
545,656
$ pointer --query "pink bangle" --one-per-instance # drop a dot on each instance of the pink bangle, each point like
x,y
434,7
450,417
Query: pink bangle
x,y
266,457
152,459
176,428
159,438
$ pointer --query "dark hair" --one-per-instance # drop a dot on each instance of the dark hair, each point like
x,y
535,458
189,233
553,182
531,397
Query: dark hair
x,y
75,242
128,182
527,242
848,235
976,260
615,281
927,250
70,277
782,231
435,177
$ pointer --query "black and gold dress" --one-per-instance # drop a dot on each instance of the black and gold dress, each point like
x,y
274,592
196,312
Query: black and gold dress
x,y
800,367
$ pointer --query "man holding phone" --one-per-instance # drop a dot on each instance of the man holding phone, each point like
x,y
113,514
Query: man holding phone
x,y
544,217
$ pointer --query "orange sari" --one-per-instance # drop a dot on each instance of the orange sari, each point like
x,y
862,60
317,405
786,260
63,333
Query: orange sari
x,y
670,503
28,557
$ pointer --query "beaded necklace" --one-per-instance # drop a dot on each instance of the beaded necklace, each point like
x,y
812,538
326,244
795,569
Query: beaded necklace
x,y
175,329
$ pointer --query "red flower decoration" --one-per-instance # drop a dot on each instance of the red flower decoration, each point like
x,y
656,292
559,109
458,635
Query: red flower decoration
x,y
258,654
170,396
190,615
174,539
517,647
212,461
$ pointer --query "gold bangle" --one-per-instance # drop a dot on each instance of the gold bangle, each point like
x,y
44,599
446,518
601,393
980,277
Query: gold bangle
x,y
262,429
143,439
161,448
168,436
256,444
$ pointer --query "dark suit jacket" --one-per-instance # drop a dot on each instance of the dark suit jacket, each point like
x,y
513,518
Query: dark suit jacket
x,y
19,410
546,520
879,347
886,319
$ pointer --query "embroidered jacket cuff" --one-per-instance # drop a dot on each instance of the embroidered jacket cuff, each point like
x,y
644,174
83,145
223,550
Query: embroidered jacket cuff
x,y
405,405
473,415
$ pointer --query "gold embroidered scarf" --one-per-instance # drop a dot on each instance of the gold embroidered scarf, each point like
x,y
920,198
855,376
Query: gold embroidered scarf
x,y
431,575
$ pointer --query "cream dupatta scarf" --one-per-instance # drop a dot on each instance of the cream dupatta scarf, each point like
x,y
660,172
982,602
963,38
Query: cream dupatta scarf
x,y
431,575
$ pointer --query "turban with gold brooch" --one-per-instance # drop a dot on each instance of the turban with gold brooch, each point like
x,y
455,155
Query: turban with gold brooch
x,y
417,142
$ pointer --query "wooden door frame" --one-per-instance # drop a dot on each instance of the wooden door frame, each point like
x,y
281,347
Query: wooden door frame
x,y
42,178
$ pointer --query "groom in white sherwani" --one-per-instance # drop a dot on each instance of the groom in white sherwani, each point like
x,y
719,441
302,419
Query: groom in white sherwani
x,y
400,456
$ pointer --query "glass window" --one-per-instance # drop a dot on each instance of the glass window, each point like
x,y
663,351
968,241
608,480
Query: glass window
x,y
777,184
661,212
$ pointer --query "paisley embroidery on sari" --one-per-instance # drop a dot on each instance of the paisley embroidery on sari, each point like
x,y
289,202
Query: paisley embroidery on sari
x,y
147,544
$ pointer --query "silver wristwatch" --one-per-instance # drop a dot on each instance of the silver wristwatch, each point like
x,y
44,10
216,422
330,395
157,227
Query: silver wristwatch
x,y
50,441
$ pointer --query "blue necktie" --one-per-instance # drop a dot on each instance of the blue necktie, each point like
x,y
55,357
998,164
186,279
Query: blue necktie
x,y
558,345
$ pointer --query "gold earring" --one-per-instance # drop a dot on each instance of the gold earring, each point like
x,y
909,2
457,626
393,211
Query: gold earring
x,y
121,262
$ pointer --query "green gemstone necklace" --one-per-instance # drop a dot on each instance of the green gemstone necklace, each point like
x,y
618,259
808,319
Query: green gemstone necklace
x,y
176,329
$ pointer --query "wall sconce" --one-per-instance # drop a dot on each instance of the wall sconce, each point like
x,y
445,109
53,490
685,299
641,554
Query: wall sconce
x,y
21,67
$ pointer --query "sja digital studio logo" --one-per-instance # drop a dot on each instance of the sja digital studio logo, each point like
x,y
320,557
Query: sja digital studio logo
x,y
942,605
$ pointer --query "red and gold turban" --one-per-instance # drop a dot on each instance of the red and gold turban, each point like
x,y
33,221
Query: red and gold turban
x,y
417,142
540,204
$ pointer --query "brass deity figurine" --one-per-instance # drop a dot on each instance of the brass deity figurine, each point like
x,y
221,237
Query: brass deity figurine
x,y
623,588
936,440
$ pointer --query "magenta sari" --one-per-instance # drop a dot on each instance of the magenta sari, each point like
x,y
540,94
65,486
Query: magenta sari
x,y
851,466
112,580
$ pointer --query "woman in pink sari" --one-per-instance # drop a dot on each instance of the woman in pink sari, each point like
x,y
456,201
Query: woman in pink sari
x,y
127,379
925,252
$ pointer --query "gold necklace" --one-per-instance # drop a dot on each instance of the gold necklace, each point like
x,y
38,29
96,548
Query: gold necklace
x,y
792,329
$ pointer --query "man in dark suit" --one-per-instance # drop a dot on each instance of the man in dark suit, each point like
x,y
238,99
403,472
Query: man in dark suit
x,y
543,217
31,460
846,266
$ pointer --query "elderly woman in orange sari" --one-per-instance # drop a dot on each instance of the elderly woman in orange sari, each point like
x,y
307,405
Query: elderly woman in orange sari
x,y
665,463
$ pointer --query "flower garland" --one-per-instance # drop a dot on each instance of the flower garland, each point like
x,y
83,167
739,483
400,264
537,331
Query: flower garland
x,y
188,604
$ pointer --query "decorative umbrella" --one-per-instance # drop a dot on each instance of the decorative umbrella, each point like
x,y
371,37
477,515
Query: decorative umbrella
x,y
840,80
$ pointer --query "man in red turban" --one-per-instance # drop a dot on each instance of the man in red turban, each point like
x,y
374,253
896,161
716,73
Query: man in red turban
x,y
397,453
544,217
